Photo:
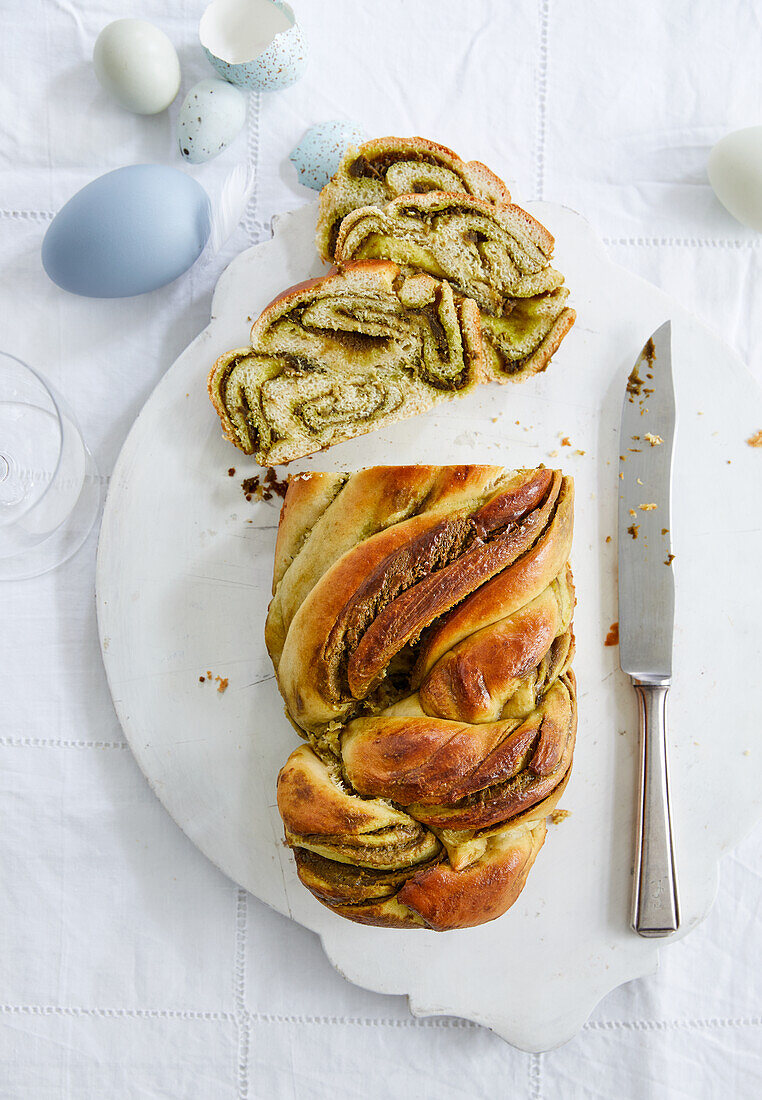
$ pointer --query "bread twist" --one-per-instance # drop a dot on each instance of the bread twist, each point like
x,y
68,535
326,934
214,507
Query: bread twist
x,y
494,253
420,630
336,357
383,168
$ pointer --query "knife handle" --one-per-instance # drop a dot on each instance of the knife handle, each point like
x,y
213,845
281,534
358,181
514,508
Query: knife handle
x,y
655,910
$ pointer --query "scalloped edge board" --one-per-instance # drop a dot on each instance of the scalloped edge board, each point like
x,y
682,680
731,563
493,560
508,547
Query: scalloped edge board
x,y
183,581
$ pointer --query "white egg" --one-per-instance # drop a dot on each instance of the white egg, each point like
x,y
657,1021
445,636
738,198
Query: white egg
x,y
212,114
137,64
735,173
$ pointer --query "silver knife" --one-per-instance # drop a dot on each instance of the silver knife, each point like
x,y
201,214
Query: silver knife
x,y
646,617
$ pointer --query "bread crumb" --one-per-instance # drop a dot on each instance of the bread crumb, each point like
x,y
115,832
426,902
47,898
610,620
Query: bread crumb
x,y
608,538
621,477
202,679
654,440
559,815
755,440
633,513
648,507
256,488
565,441
494,420
231,471
552,454
633,530
579,452
222,682
612,638
669,559
665,530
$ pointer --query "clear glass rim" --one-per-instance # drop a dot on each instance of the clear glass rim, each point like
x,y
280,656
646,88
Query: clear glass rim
x,y
47,389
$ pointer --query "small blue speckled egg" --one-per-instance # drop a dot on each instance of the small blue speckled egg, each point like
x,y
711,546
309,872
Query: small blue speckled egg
x,y
128,232
212,115
254,43
319,153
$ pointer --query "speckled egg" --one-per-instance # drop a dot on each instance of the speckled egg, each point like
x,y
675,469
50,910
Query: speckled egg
x,y
137,64
212,115
128,232
254,43
318,154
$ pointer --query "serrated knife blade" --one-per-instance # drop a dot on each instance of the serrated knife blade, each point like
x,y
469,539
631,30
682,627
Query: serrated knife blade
x,y
646,616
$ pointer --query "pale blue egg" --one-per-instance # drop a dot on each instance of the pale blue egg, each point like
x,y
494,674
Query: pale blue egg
x,y
319,153
128,232
254,43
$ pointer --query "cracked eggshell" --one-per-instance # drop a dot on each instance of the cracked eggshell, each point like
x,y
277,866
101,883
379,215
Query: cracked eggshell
x,y
211,117
319,153
137,64
254,43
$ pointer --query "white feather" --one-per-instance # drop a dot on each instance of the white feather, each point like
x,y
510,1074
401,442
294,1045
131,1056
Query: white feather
x,y
230,206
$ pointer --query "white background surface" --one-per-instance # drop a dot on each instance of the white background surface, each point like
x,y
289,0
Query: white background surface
x,y
128,965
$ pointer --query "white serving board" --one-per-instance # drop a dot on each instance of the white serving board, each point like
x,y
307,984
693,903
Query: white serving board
x,y
183,582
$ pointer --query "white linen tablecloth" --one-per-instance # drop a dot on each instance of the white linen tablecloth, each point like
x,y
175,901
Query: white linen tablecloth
x,y
130,966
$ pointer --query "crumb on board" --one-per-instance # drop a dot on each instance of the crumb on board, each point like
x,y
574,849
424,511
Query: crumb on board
x,y
263,488
231,471
669,559
639,481
612,638
648,507
608,538
633,513
222,681
621,477
565,441
559,815
654,440
578,452
633,530
755,440
552,454
665,530
495,419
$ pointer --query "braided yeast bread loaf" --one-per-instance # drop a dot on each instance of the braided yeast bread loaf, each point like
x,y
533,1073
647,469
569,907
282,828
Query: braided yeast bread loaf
x,y
494,253
336,357
381,169
420,630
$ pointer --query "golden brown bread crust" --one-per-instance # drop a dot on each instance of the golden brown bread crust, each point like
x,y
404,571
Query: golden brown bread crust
x,y
421,635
